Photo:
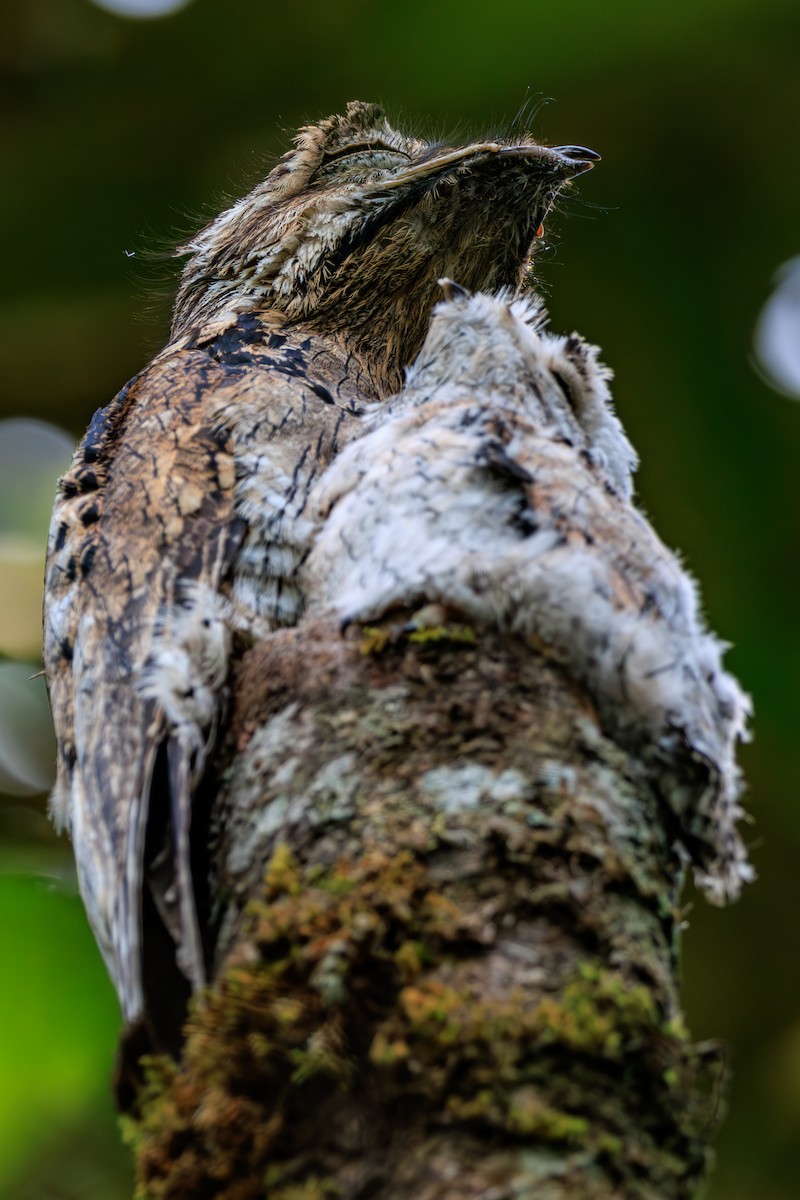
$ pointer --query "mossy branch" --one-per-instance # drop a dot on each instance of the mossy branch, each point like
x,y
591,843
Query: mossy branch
x,y
447,955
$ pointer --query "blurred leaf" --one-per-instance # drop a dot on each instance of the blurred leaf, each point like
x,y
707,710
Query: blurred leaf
x,y
782,1077
21,577
59,1019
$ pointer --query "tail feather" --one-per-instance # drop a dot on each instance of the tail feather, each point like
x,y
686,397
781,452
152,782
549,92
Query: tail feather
x,y
190,954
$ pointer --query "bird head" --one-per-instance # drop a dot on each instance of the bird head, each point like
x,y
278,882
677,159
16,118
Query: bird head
x,y
352,229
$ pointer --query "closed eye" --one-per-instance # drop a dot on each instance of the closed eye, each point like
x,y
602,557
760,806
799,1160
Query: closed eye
x,y
361,148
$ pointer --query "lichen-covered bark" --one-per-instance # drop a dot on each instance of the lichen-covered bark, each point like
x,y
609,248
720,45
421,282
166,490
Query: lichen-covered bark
x,y
447,952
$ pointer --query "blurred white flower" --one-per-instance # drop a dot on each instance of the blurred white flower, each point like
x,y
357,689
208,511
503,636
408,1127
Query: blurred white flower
x,y
777,334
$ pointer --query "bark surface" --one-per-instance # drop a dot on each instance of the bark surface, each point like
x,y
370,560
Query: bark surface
x,y
447,943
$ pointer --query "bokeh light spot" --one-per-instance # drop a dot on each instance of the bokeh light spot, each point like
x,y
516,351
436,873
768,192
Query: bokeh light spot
x,y
27,746
777,334
143,9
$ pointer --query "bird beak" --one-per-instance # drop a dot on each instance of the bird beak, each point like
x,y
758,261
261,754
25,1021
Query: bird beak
x,y
568,161
571,160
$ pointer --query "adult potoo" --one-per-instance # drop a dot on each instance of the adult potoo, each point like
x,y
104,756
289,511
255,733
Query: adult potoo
x,y
180,521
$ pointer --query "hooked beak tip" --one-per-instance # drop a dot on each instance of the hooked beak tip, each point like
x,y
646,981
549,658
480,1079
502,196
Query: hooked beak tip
x,y
577,158
569,160
577,153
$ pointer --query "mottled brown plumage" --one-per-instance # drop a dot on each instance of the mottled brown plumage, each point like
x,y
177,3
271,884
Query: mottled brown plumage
x,y
148,510
351,231
179,526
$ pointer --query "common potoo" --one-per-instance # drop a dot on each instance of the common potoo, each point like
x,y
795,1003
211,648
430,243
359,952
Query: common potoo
x,y
182,524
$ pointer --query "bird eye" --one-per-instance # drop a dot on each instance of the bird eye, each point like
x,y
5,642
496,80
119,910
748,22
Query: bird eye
x,y
377,149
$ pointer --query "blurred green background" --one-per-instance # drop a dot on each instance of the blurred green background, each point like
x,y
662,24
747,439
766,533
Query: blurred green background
x,y
118,134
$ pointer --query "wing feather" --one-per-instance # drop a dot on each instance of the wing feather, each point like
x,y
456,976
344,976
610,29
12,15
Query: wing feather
x,y
146,509
179,520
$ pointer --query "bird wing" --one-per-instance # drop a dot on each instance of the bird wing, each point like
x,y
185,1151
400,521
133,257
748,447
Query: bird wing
x,y
178,521
145,513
